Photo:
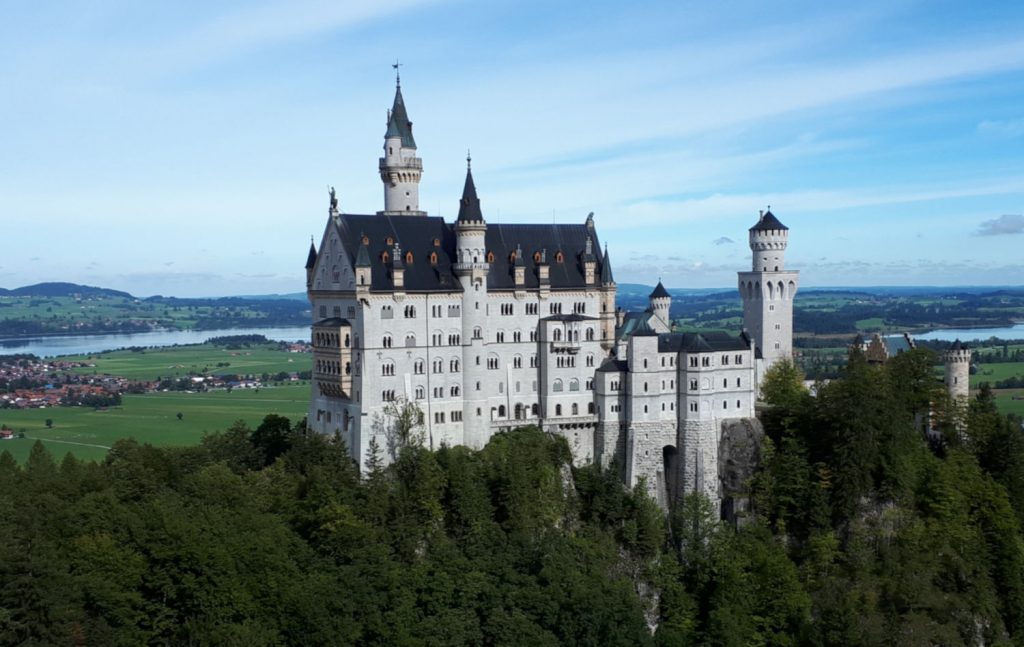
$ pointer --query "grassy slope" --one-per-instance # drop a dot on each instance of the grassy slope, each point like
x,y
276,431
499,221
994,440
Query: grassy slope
x,y
150,418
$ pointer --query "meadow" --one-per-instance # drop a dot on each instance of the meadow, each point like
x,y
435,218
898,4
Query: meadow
x,y
181,361
149,418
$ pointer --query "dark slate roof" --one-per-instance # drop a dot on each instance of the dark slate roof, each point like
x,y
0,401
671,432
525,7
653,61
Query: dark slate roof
x,y
333,322
769,222
414,234
660,292
503,239
613,366
311,258
703,342
398,122
643,329
469,205
606,269
630,323
569,317
957,345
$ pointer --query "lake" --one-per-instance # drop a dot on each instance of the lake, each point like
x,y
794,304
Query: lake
x,y
973,334
49,346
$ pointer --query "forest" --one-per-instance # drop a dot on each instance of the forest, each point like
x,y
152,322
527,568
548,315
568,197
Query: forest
x,y
864,530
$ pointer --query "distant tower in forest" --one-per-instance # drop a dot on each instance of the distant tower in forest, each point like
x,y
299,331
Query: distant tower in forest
x,y
768,290
957,361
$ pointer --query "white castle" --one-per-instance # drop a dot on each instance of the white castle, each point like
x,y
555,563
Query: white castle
x,y
487,327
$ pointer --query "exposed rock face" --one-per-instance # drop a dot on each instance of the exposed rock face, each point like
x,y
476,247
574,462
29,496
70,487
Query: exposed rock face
x,y
739,453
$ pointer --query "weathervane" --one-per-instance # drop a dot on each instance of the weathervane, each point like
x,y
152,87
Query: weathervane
x,y
469,160
398,75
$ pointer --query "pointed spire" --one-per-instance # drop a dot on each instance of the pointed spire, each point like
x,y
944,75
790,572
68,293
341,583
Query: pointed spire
x,y
606,268
311,258
398,120
660,292
469,205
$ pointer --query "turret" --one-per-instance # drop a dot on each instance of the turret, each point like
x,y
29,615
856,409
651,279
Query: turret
x,y
310,264
768,240
400,169
471,268
661,303
609,316
957,363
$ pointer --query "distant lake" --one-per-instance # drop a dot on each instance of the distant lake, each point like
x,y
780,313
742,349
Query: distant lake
x,y
973,334
49,346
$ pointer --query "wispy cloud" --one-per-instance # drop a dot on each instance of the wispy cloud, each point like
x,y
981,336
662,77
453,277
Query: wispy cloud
x,y
724,240
1007,128
1004,224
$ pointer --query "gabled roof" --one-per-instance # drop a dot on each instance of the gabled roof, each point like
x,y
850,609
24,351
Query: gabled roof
x,y
660,292
412,234
769,222
333,322
398,121
363,256
611,365
702,342
311,258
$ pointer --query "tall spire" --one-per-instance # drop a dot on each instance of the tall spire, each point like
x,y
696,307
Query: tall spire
x,y
398,119
311,258
606,268
469,205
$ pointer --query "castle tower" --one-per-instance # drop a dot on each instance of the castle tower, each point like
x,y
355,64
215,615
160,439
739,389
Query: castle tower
x,y
957,361
768,290
661,302
609,316
471,268
400,169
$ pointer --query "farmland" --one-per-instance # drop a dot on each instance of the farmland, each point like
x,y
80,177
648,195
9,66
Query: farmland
x,y
149,418
199,359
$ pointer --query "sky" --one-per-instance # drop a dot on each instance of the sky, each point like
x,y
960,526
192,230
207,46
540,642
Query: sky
x,y
185,148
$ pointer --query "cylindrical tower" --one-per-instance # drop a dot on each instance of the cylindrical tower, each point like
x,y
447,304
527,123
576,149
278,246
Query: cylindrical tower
x,y
400,169
768,290
957,361
471,268
660,303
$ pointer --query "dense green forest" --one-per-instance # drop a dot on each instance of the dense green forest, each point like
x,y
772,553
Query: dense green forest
x,y
864,532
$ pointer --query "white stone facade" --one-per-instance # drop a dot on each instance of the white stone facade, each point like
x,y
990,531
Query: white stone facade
x,y
490,327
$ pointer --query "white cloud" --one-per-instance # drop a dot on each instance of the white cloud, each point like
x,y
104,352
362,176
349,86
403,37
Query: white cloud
x,y
1004,224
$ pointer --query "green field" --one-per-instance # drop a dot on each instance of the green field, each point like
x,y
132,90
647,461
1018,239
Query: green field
x,y
1006,403
181,361
992,373
150,418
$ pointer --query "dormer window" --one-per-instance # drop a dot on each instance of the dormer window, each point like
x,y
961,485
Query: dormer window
x,y
390,241
512,257
366,240
490,257
559,257
433,258
437,242
536,257
384,256
408,258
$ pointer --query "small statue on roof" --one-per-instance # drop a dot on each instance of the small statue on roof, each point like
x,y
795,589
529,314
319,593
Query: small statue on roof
x,y
334,198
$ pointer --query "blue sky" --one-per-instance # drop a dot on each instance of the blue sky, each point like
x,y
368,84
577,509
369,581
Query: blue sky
x,y
185,148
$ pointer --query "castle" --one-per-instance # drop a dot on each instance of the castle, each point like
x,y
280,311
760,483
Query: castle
x,y
487,327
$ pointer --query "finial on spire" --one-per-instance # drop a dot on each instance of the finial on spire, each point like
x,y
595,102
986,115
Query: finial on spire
x,y
398,74
469,161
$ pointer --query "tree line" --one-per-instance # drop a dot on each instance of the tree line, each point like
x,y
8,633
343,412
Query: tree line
x,y
883,514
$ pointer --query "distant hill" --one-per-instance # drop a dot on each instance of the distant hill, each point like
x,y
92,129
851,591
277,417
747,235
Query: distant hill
x,y
292,296
63,290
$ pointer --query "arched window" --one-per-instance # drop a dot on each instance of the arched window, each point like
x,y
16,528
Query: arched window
x,y
408,258
557,334
501,411
559,257
433,258
575,409
490,257
557,386
536,257
385,257
574,384
590,334
535,409
421,393
558,410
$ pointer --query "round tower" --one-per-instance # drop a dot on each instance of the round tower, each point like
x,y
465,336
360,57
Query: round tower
x,y
661,303
471,268
400,169
957,361
768,290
